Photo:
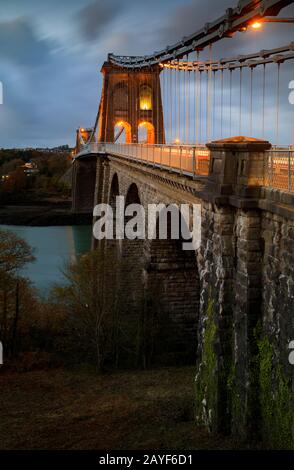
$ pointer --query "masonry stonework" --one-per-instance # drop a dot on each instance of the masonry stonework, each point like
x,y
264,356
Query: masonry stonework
x,y
229,306
84,180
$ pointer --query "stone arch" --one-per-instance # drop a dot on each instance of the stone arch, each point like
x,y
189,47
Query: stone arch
x,y
114,189
131,293
113,194
122,132
132,195
173,298
146,133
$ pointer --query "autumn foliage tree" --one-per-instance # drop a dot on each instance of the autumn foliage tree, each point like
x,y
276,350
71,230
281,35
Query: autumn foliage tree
x,y
15,293
88,311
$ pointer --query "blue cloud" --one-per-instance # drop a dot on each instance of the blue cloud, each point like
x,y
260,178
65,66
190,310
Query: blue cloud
x,y
20,45
94,18
51,86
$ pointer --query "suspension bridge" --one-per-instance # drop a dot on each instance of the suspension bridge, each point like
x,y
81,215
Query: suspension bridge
x,y
163,108
184,126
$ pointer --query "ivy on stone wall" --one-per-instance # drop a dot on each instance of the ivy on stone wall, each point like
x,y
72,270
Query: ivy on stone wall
x,y
276,400
206,379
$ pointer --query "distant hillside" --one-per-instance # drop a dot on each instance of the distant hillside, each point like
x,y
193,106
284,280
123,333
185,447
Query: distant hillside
x,y
30,174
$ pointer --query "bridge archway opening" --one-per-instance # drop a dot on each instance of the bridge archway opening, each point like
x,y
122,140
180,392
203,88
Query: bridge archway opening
x,y
133,195
122,132
172,297
114,193
131,291
146,134
145,98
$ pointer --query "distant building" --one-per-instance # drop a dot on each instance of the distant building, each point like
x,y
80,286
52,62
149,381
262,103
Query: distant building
x,y
30,168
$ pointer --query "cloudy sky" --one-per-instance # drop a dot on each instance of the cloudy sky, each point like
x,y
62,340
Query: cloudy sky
x,y
51,52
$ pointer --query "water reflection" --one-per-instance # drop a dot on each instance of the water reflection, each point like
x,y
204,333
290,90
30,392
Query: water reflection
x,y
54,246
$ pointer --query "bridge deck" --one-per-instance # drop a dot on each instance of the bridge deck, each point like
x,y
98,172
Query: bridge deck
x,y
193,160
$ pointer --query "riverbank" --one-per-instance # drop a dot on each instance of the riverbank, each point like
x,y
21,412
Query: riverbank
x,y
61,409
44,214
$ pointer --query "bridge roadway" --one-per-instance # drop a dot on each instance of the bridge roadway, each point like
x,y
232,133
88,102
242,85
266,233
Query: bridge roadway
x,y
193,160
190,160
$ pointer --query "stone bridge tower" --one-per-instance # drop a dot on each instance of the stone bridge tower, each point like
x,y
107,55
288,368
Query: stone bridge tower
x,y
131,100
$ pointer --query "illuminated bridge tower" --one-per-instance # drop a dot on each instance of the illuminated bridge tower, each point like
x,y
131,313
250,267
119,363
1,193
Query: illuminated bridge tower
x,y
131,105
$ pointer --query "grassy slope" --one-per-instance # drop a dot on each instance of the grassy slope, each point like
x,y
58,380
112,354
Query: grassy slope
x,y
59,409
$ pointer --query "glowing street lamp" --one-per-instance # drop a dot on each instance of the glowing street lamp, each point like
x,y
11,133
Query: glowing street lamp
x,y
256,25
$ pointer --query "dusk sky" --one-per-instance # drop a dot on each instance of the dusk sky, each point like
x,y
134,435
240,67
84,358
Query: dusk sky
x,y
51,53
